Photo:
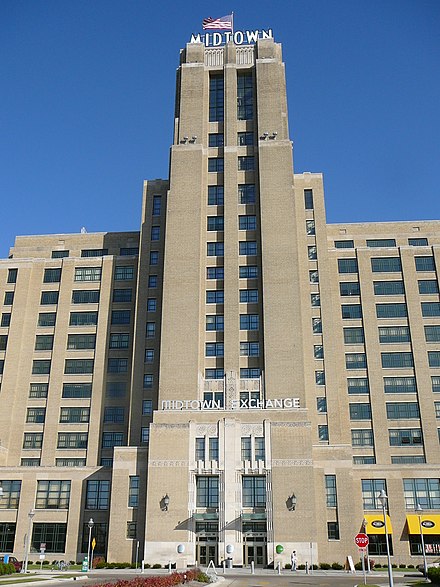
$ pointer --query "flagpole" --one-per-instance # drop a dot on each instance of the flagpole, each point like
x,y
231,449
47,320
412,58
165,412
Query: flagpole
x,y
232,22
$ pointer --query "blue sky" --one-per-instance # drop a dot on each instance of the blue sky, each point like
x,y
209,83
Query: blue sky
x,y
87,96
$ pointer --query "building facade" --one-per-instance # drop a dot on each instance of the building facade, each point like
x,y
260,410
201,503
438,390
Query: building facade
x,y
236,380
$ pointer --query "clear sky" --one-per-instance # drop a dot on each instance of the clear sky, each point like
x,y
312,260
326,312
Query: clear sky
x,y
87,97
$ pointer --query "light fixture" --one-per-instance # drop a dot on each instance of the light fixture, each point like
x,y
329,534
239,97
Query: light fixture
x,y
194,138
383,499
274,135
291,502
166,502
90,524
184,140
264,136
31,515
419,511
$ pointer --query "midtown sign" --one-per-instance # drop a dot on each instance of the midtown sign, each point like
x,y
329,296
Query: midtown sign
x,y
237,37
287,403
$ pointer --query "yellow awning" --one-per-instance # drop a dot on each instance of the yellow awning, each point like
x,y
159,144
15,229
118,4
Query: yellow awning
x,y
430,523
375,524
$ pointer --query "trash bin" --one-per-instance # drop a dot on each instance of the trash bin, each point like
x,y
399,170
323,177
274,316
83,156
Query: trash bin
x,y
229,563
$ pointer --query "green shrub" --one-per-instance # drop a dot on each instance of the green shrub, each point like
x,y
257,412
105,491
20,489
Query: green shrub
x,y
378,566
394,566
410,566
202,578
337,566
100,565
287,566
358,566
45,562
434,575
324,566
402,566
147,566
156,566
7,569
299,567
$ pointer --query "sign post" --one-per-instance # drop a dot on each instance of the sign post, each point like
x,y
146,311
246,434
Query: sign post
x,y
362,541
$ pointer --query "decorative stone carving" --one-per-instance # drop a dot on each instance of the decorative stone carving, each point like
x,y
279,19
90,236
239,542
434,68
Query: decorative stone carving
x,y
231,389
292,463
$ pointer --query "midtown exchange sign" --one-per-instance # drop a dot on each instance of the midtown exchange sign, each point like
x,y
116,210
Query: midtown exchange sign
x,y
288,403
239,37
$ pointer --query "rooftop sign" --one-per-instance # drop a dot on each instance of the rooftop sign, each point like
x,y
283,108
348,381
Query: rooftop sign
x,y
238,37
287,403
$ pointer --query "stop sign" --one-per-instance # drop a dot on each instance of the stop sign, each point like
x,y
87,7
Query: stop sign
x,y
361,540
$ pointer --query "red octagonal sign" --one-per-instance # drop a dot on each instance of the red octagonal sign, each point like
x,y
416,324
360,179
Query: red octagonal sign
x,y
361,540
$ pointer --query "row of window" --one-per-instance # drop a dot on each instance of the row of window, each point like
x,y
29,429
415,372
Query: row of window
x,y
381,242
386,264
399,310
217,248
112,414
79,440
245,97
80,366
244,163
389,288
390,334
247,322
247,349
395,360
397,437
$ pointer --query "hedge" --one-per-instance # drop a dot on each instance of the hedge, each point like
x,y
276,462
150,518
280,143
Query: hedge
x,y
7,569
161,581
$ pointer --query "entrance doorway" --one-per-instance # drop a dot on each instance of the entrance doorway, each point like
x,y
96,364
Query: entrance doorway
x,y
206,552
254,552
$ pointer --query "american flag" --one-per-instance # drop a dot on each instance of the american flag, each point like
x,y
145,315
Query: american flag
x,y
224,23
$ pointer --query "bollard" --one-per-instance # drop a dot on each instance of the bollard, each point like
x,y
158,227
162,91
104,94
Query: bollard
x,y
307,568
142,566
252,568
279,568
224,567
169,567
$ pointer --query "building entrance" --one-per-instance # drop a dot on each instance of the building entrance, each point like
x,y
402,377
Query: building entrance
x,y
254,550
206,552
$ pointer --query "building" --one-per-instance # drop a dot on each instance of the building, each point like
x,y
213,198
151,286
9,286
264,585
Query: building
x,y
237,380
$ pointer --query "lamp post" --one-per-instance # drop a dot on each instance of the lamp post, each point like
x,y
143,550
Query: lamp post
x,y
31,514
383,498
364,524
90,524
419,511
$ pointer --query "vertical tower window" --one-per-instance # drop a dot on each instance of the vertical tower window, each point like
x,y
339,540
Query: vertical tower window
x,y
245,96
216,98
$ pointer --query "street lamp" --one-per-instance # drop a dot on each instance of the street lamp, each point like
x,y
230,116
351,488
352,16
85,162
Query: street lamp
x,y
90,524
419,511
31,514
383,498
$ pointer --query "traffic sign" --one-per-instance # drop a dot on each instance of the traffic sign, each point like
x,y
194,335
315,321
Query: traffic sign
x,y
361,540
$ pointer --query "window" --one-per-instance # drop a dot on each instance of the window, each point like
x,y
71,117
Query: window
x,y
437,409
388,288
424,263
360,411
407,459
434,358
112,439
155,233
207,491
53,495
77,390
2,366
310,227
94,252
362,437
147,407
87,296
9,298
133,491
245,139
308,199
215,296
393,334
83,319
247,373
371,489
149,355
246,193
150,330
318,351
249,349
154,257
247,222
216,195
312,253
397,360
74,415
81,341
247,247
391,311
214,349
381,242
70,462
117,365
151,304
260,449
363,460
131,533
386,264
215,322
12,275
36,415
333,530
351,311
38,390
346,244
114,415
78,366
3,342
354,335
315,300
321,405
357,385
435,383
148,381
349,288
11,495
401,437
51,534
99,532
213,448
216,164
320,377
246,163
129,251
425,492
59,254
248,271
347,266
49,298
402,410
88,274
124,272
32,440
314,276
215,223
152,281
418,242
46,319
355,361
52,275
200,449
41,367
430,309
399,384
245,96
98,495
6,319
246,448
115,389
249,322
214,374
215,139
323,433
254,491
317,325
73,440
119,341
215,273
157,205
216,98
215,249
120,317
330,491
428,286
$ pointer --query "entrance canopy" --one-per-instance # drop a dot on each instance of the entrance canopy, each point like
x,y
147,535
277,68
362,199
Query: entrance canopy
x,y
375,524
430,523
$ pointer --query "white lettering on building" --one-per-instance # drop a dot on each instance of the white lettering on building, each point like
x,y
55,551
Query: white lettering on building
x,y
288,403
239,37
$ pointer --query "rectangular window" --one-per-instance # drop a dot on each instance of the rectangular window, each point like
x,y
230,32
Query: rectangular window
x,y
30,462
394,334
357,385
418,242
215,273
330,491
323,433
435,383
46,319
214,374
249,322
51,534
314,276
6,319
391,311
74,440
246,448
247,373
157,205
207,491
3,342
422,491
312,253
245,139
215,322
246,222
386,265
12,275
74,415
154,257
124,273
114,415
214,349
33,440
151,304
52,275
371,489
215,249
355,361
434,358
249,349
318,351
308,199
150,331
320,377
83,319
363,460
81,341
38,390
53,495
405,437
116,389
346,244
215,139
147,407
59,254
94,252
388,288
349,288
381,242
402,410
425,263
360,411
98,495
11,495
77,390
213,448
399,385
246,193
315,300
216,98
41,367
216,164
112,439
428,286
245,96
117,365
354,335
351,311
321,405
88,274
133,491
310,227
215,296
347,266
248,271
36,415
129,251
9,298
49,298
148,381
247,248
362,437
215,223
155,233
254,491
131,533
119,341
120,317
200,449
246,163
397,360
216,195
87,296
78,366
317,325
333,530
430,309
122,295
